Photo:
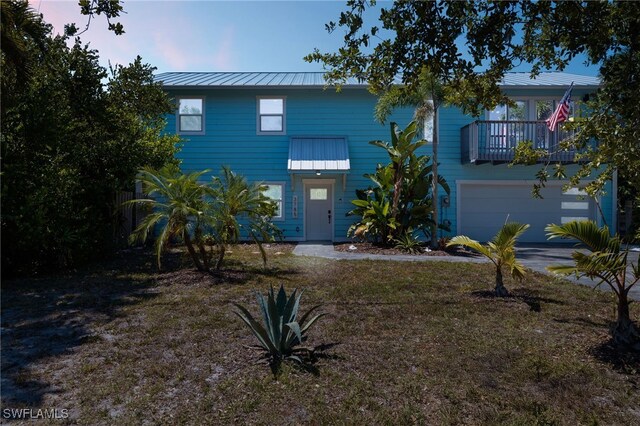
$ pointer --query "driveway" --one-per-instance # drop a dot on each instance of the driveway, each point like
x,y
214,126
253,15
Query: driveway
x,y
534,256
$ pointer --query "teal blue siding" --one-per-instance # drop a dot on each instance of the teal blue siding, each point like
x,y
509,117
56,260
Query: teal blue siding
x,y
231,139
452,120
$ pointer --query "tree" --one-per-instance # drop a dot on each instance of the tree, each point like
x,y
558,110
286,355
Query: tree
x,y
179,209
401,199
22,29
73,135
469,46
607,262
500,251
426,100
91,8
203,215
238,205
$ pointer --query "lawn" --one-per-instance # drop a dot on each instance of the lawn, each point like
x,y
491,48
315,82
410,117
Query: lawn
x,y
408,343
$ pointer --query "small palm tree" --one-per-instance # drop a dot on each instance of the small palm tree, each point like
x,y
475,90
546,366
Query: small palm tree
x,y
238,205
500,250
179,207
608,262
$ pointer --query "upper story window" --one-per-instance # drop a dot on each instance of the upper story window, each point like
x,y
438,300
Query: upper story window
x,y
535,109
271,115
191,116
544,109
275,191
518,112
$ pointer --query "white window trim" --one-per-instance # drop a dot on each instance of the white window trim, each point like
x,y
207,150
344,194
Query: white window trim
x,y
284,116
186,132
280,218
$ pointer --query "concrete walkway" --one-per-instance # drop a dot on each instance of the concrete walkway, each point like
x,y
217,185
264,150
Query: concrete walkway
x,y
534,257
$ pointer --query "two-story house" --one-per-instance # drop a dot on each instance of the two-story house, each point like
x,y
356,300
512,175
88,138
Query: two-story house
x,y
310,145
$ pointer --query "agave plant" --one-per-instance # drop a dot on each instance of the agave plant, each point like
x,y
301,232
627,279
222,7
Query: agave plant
x,y
610,263
281,330
500,250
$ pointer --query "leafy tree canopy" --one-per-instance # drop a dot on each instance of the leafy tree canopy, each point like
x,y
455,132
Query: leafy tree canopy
x,y
73,135
469,46
110,9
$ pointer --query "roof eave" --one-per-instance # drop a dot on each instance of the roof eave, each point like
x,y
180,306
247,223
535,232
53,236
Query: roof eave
x,y
550,87
274,86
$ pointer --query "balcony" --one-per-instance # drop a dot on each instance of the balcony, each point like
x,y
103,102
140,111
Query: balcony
x,y
495,141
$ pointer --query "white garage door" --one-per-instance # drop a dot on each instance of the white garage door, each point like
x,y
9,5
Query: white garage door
x,y
484,207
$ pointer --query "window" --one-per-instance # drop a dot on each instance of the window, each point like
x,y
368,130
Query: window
x,y
191,115
275,192
544,109
271,116
507,127
318,193
518,112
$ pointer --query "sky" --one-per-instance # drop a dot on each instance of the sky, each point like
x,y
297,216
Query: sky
x,y
217,35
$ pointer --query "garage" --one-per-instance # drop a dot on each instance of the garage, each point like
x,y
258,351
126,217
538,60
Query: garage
x,y
483,207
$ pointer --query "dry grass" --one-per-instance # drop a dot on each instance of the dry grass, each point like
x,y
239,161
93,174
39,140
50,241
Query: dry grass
x,y
415,343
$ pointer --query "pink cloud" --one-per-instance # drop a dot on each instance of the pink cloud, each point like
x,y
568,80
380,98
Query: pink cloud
x,y
163,35
170,50
223,59
59,13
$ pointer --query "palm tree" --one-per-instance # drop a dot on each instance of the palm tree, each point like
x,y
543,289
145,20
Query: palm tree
x,y
500,250
23,36
426,100
20,25
179,207
239,205
608,262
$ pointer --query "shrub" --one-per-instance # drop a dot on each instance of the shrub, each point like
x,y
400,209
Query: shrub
x,y
400,198
408,243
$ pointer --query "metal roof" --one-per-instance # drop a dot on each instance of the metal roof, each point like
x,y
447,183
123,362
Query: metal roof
x,y
548,79
316,79
246,79
318,153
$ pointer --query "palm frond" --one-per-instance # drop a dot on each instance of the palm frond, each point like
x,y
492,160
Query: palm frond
x,y
588,233
463,240
509,233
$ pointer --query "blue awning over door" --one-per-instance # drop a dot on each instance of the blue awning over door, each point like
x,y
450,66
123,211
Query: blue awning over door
x,y
318,153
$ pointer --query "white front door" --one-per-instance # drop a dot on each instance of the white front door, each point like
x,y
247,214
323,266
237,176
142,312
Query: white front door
x,y
318,211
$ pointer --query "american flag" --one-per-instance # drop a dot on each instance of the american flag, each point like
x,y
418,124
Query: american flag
x,y
562,111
